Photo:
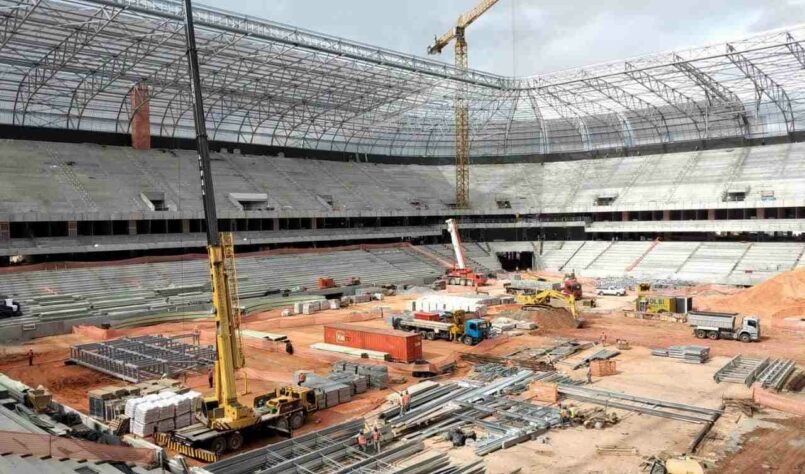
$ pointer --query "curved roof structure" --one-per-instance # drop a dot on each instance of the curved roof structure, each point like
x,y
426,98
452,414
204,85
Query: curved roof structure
x,y
72,63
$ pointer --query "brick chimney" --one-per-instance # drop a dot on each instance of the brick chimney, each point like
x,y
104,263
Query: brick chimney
x,y
140,119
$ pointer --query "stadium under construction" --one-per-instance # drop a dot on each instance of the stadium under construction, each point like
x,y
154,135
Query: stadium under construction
x,y
422,267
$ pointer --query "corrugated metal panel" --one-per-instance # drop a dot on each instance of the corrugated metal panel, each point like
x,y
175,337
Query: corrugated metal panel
x,y
401,346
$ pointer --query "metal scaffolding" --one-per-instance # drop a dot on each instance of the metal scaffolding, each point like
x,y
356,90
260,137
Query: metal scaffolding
x,y
71,64
136,359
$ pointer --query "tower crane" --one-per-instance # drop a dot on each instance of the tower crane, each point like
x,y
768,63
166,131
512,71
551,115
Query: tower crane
x,y
461,109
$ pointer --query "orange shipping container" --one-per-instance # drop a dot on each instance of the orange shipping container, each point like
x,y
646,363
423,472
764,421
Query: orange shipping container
x,y
401,346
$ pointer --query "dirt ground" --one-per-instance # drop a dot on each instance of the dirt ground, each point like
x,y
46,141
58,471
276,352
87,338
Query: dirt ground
x,y
564,450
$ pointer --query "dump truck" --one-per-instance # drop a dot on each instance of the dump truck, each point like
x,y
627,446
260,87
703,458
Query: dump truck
x,y
714,326
469,331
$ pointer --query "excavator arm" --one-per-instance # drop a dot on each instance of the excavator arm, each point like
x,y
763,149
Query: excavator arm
x,y
543,298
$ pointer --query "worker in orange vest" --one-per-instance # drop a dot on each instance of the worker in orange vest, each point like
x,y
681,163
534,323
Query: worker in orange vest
x,y
376,440
362,440
405,400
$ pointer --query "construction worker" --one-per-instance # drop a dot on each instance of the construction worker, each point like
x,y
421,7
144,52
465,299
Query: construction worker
x,y
196,336
405,401
30,357
289,348
376,439
603,339
572,413
589,374
563,416
210,377
362,440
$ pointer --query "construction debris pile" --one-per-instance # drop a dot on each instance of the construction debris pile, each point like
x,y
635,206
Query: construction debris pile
x,y
135,359
335,449
688,354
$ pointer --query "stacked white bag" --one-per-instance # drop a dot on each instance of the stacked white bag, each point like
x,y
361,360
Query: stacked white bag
x,y
184,409
161,412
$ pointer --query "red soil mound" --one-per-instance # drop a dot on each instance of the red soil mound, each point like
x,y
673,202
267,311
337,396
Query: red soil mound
x,y
771,299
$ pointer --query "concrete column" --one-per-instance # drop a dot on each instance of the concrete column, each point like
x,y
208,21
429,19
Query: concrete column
x,y
140,118
276,223
72,229
666,215
625,216
5,231
132,227
711,214
761,213
185,226
313,223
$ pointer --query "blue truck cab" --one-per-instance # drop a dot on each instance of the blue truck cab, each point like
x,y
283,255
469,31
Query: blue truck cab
x,y
475,331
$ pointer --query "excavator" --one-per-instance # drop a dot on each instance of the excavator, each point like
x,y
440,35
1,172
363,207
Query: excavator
x,y
543,298
224,421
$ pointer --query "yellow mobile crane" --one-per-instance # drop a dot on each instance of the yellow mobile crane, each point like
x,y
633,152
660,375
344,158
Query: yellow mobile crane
x,y
461,110
224,420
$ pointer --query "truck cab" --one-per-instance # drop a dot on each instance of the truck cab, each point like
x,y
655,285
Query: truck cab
x,y
750,329
475,331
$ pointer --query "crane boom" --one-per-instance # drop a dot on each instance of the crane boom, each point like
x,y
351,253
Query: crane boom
x,y
228,413
465,20
462,114
455,238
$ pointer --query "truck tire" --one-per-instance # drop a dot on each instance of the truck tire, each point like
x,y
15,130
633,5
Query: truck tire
x,y
218,445
430,335
712,335
297,420
467,340
700,333
744,337
235,441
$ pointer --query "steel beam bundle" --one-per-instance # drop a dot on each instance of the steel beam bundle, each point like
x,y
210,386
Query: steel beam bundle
x,y
648,406
143,358
741,369
688,354
333,450
505,422
776,373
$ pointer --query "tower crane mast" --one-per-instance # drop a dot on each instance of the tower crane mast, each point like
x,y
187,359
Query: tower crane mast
x,y
461,109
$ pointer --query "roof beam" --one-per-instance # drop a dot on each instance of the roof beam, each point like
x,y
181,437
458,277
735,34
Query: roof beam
x,y
764,85
796,49
679,101
276,32
14,19
716,93
58,57
633,104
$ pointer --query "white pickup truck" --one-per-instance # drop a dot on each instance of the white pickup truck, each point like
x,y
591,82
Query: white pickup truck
x,y
611,291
